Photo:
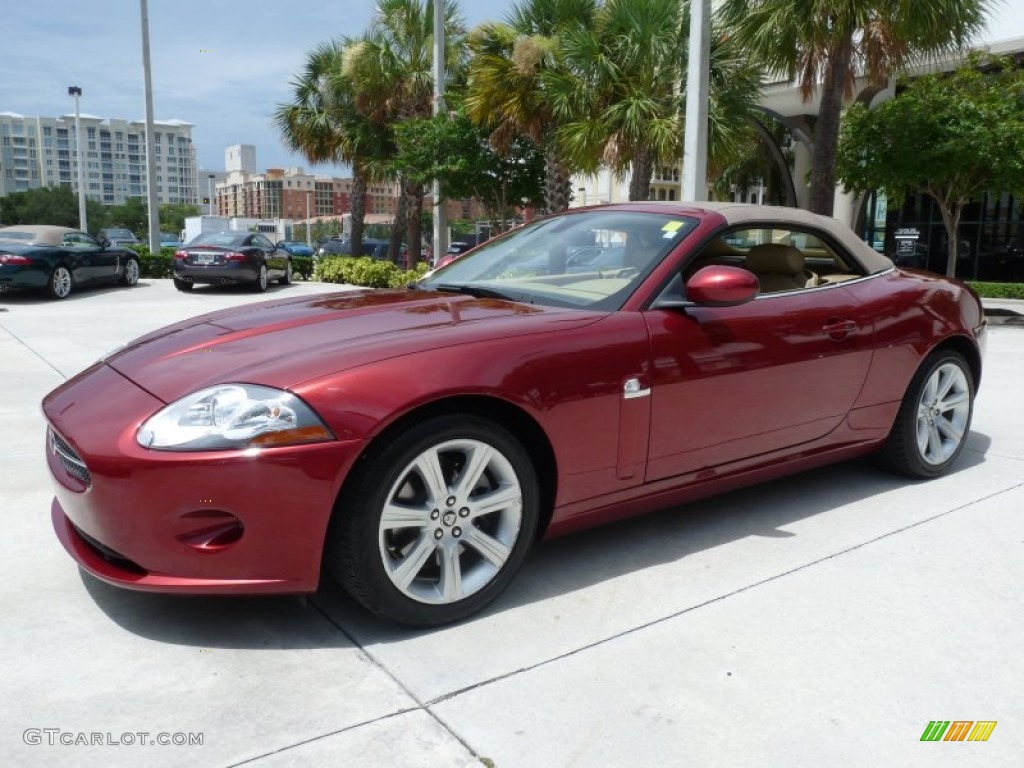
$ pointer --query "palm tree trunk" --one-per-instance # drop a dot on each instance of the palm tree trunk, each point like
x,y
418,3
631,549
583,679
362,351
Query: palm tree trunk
x,y
557,182
640,180
398,225
358,206
826,131
415,233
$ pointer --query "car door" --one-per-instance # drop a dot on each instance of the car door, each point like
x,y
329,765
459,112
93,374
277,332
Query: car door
x,y
732,383
274,258
90,261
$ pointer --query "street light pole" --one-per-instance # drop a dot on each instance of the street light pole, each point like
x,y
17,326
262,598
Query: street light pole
x,y
309,241
695,136
75,91
209,192
154,210
440,220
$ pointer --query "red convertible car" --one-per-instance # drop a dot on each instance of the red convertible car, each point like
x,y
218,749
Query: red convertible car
x,y
415,443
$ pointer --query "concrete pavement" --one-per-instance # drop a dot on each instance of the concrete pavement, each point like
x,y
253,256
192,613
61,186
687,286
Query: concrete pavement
x,y
823,619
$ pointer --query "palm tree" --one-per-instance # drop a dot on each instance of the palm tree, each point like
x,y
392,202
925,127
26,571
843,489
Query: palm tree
x,y
509,74
824,44
620,96
322,123
391,68
617,97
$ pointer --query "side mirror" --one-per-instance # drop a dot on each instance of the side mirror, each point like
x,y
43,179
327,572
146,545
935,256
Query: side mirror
x,y
104,242
720,286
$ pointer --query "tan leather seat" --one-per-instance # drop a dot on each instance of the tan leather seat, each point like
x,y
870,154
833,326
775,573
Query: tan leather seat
x,y
779,267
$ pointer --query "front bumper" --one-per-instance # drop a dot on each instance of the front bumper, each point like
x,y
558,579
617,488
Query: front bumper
x,y
213,522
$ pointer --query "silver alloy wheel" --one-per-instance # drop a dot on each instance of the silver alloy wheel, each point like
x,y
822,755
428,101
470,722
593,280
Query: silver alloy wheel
x,y
942,413
263,277
131,272
450,521
60,282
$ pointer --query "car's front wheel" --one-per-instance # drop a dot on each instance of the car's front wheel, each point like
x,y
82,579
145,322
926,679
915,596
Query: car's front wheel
x,y
60,283
287,278
433,525
932,424
131,272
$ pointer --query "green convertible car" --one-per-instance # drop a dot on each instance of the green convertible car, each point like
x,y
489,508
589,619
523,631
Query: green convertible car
x,y
58,259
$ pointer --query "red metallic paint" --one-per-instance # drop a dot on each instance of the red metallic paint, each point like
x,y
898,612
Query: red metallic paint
x,y
738,394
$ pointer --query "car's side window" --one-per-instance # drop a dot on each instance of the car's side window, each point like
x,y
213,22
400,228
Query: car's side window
x,y
78,241
782,259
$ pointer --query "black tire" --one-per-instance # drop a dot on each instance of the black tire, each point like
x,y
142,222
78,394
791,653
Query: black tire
x,y
261,279
287,278
183,285
484,548
943,423
131,272
60,283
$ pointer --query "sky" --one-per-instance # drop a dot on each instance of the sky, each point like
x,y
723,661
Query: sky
x,y
222,65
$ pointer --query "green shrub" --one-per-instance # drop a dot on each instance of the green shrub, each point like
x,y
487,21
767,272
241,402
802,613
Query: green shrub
x,y
404,277
302,266
154,266
999,290
364,271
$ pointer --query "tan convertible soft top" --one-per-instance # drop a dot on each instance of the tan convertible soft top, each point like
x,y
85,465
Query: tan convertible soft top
x,y
747,213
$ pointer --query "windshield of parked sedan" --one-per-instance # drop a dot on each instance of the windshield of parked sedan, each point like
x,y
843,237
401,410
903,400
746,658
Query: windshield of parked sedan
x,y
593,259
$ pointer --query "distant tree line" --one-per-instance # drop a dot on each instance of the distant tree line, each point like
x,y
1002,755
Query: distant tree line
x,y
59,206
569,86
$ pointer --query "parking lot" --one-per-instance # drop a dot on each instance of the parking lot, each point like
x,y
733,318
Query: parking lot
x,y
821,620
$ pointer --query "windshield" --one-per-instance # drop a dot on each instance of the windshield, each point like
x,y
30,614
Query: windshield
x,y
591,260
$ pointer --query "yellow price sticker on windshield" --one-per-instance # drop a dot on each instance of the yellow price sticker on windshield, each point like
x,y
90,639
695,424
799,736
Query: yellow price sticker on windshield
x,y
671,229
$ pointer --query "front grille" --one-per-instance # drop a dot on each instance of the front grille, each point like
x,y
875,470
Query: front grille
x,y
68,458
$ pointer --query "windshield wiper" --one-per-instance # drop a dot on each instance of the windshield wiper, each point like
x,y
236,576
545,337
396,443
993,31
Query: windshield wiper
x,y
479,291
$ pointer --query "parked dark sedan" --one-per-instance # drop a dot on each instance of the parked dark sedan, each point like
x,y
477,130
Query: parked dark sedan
x,y
119,236
58,259
216,258
336,246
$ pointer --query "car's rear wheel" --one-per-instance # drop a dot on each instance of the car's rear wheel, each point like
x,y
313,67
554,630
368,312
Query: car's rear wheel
x,y
287,273
433,525
261,280
60,283
183,285
934,418
131,272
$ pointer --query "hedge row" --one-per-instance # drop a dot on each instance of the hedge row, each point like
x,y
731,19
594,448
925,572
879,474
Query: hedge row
x,y
999,290
365,271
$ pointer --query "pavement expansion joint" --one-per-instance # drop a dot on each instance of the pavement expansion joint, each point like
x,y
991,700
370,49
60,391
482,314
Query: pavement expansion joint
x,y
718,598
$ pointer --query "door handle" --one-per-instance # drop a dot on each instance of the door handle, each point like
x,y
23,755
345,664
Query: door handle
x,y
838,329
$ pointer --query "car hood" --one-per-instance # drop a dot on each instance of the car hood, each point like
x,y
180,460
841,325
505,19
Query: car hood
x,y
285,343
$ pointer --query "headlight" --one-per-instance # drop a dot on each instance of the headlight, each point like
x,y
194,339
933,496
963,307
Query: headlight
x,y
232,416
